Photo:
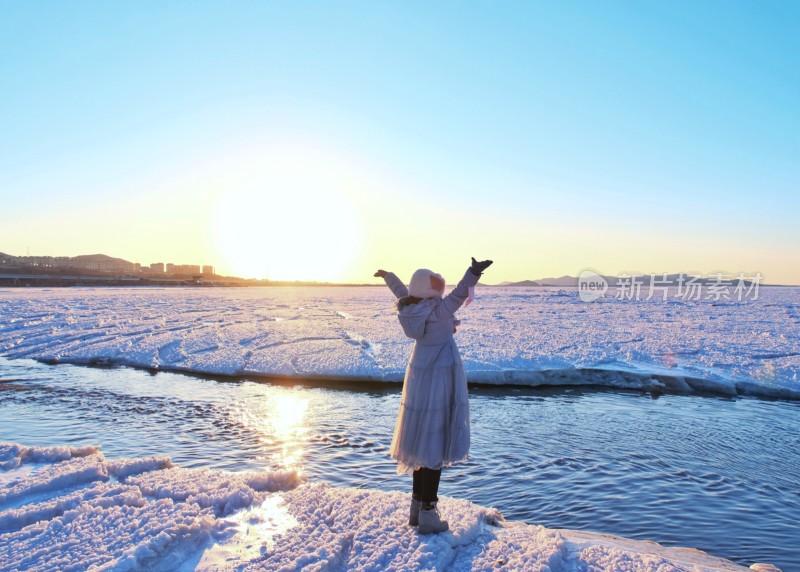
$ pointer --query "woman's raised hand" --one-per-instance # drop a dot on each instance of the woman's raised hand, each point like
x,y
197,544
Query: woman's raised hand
x,y
478,267
380,274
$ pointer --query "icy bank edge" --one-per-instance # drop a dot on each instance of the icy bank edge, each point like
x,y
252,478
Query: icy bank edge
x,y
129,513
629,378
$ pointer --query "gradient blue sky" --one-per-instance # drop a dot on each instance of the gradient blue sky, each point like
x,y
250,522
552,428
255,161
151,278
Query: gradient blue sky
x,y
549,136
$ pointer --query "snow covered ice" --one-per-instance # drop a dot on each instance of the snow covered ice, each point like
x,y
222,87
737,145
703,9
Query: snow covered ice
x,y
539,336
86,512
70,508
67,508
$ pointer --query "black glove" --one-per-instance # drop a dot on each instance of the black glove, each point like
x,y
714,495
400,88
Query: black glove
x,y
478,267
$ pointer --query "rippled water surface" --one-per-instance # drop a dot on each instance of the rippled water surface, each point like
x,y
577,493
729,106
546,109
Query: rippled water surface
x,y
722,475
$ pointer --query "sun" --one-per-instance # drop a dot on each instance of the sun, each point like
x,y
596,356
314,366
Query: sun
x,y
292,221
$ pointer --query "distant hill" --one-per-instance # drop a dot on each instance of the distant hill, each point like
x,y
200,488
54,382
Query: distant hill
x,y
522,283
643,279
560,281
98,257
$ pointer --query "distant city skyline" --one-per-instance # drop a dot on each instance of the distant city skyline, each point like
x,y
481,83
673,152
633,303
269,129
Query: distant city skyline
x,y
89,262
313,141
103,262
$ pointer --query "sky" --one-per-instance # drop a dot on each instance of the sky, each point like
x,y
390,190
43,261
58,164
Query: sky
x,y
326,140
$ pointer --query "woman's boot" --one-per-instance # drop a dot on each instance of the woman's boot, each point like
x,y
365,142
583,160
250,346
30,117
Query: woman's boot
x,y
429,520
413,517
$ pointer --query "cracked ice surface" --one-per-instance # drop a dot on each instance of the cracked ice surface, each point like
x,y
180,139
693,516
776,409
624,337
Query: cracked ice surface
x,y
132,514
510,335
85,512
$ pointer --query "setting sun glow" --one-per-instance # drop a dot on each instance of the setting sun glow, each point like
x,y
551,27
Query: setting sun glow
x,y
292,221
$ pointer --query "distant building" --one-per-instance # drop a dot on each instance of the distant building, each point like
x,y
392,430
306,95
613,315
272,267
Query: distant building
x,y
36,261
8,260
183,269
103,263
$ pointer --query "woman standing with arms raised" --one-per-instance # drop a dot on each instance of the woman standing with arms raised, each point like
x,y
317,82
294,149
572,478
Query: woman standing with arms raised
x,y
432,429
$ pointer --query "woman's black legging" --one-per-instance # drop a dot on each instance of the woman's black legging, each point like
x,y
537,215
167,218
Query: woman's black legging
x,y
426,484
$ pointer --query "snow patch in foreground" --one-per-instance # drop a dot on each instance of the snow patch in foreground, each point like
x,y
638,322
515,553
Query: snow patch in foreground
x,y
13,455
83,512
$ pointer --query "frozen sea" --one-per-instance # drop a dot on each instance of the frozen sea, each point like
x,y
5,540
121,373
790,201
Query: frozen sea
x,y
520,336
693,441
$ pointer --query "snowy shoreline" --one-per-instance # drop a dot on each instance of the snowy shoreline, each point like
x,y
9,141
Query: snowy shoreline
x,y
587,378
126,514
508,337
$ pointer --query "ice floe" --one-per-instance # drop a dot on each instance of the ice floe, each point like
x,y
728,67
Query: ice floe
x,y
537,336
86,512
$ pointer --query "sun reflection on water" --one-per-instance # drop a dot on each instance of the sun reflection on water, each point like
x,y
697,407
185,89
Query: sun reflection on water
x,y
279,420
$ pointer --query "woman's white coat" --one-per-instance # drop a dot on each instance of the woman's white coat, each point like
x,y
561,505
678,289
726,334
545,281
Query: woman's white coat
x,y
432,428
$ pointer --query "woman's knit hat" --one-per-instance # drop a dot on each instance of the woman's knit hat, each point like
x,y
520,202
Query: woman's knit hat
x,y
423,287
